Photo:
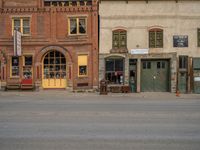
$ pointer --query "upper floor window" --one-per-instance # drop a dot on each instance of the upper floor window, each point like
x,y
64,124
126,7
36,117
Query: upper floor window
x,y
198,36
156,38
63,3
22,25
119,39
77,26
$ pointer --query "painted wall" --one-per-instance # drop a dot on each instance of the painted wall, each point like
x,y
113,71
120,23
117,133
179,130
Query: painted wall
x,y
137,17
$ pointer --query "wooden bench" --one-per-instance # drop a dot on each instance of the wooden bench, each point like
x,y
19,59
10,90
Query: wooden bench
x,y
12,86
126,89
27,84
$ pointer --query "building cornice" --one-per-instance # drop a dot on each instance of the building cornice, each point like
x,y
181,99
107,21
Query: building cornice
x,y
47,9
148,0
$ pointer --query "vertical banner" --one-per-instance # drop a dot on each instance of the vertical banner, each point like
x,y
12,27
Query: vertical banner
x,y
17,43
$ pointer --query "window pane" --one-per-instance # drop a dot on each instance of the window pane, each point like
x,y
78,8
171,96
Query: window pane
x,y
17,25
152,39
159,39
82,70
28,60
26,23
163,65
15,61
158,65
115,40
123,39
26,30
119,63
15,66
73,26
144,65
183,62
149,65
109,65
82,26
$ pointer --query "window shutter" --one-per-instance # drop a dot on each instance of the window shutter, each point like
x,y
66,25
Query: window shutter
x,y
123,39
115,39
152,39
159,39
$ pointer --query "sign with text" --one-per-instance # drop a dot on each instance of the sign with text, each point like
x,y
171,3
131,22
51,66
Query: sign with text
x,y
180,41
17,43
139,51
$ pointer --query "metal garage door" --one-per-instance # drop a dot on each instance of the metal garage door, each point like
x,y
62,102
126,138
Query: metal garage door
x,y
155,76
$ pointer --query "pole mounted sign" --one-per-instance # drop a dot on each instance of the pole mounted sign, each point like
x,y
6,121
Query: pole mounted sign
x,y
17,43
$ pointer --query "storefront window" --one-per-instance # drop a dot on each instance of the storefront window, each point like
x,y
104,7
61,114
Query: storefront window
x,y
115,70
82,65
27,67
15,67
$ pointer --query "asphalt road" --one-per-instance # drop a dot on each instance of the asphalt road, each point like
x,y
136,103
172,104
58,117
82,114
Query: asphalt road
x,y
56,120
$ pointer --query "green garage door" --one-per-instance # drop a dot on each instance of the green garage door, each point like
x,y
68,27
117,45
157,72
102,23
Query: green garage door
x,y
155,76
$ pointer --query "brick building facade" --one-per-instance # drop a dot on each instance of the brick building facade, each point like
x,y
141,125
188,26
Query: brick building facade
x,y
59,44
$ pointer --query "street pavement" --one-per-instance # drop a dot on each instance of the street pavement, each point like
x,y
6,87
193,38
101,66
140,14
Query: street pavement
x,y
60,120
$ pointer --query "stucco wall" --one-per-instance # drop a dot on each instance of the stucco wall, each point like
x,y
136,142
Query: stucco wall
x,y
137,17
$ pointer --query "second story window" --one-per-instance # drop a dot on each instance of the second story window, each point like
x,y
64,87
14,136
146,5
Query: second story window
x,y
198,37
22,25
156,38
119,39
77,26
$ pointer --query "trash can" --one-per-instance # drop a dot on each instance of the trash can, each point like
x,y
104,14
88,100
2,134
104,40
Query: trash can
x,y
103,87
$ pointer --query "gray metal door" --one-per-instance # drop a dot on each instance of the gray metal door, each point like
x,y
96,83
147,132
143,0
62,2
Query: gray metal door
x,y
155,76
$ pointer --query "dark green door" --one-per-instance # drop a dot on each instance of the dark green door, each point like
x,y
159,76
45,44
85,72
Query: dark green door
x,y
155,76
182,82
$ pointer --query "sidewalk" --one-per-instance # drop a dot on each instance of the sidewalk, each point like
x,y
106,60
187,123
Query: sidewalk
x,y
64,93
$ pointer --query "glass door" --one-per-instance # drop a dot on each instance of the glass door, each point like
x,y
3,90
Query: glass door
x,y
54,70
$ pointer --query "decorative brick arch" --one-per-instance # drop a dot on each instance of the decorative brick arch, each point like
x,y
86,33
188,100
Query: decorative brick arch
x,y
46,49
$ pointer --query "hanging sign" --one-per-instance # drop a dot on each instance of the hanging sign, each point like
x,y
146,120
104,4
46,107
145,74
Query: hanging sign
x,y
180,41
17,43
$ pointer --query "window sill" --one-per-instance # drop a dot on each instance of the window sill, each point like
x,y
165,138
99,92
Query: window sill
x,y
77,36
86,76
14,77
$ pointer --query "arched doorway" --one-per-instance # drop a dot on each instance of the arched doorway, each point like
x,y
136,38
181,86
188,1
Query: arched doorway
x,y
54,70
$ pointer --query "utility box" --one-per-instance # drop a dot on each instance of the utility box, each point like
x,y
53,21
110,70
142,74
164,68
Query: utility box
x,y
196,75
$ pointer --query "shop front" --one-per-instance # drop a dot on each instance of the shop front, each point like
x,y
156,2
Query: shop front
x,y
140,72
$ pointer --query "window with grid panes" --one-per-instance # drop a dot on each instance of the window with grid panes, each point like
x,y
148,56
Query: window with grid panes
x,y
119,39
77,26
22,25
198,36
156,38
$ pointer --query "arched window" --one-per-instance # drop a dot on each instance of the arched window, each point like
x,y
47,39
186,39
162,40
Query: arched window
x,y
156,38
119,39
